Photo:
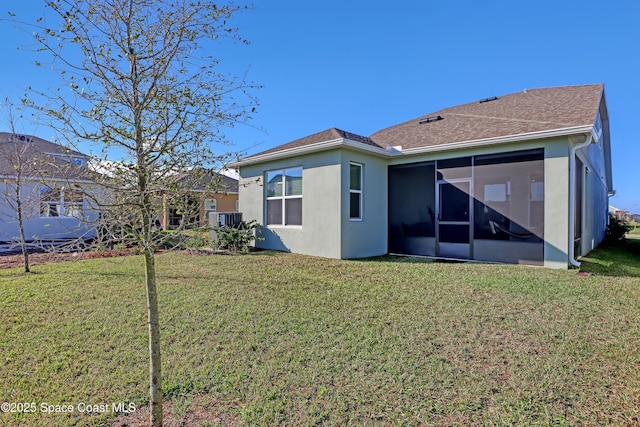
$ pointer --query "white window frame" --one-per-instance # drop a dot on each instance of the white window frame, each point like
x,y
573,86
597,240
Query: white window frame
x,y
62,208
356,191
211,205
283,198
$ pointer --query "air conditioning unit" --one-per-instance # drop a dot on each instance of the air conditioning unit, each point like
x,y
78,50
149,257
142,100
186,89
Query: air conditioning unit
x,y
225,219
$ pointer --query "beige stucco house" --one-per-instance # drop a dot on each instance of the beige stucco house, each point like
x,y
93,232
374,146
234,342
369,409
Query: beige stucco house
x,y
206,194
519,178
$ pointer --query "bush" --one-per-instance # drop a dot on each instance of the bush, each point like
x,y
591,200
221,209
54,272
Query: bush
x,y
616,229
177,240
195,240
236,239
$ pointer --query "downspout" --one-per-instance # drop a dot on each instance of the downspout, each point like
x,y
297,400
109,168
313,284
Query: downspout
x,y
572,198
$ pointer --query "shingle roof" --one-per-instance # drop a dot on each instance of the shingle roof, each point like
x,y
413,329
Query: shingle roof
x,y
528,111
533,110
39,158
208,181
323,136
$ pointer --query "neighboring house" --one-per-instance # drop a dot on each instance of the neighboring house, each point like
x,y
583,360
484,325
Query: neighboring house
x,y
619,213
520,178
54,183
622,214
207,194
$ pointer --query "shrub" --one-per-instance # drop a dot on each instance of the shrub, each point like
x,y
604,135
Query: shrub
x,y
189,239
236,239
195,240
616,229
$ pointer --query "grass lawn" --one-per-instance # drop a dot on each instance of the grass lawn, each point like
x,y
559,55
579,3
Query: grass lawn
x,y
281,339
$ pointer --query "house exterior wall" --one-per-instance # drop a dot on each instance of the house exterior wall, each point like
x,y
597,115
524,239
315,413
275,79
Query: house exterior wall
x,y
37,227
322,222
556,202
594,197
368,236
224,203
328,231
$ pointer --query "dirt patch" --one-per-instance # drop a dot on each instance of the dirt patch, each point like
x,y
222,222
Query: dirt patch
x,y
39,258
201,411
14,260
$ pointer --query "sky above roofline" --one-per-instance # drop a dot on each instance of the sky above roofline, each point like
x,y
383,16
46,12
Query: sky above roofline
x,y
360,69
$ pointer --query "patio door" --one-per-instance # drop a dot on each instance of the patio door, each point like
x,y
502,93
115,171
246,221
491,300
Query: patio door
x,y
454,219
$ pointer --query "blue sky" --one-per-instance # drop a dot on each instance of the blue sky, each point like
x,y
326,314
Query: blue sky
x,y
363,66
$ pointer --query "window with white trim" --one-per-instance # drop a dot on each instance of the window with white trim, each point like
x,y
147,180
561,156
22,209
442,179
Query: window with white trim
x,y
284,197
210,207
355,191
60,202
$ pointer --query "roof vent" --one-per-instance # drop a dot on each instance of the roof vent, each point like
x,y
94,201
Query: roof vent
x,y
16,137
493,98
430,119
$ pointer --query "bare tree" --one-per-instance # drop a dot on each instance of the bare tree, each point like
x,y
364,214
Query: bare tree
x,y
16,163
43,192
139,81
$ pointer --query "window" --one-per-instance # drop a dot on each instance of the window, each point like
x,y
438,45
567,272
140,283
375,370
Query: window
x,y
210,207
284,197
355,191
496,192
50,202
59,202
184,212
72,201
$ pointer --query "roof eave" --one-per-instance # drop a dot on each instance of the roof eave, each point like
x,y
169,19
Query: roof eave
x,y
342,142
47,179
309,149
573,130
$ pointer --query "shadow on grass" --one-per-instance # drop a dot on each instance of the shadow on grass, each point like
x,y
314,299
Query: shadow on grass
x,y
621,260
408,259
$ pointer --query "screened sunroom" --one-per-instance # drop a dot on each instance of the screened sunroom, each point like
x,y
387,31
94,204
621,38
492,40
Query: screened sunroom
x,y
485,207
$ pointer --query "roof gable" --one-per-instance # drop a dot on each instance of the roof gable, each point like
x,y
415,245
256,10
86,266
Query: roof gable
x,y
202,180
327,135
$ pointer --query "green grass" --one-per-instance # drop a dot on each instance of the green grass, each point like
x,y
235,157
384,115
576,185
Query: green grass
x,y
282,339
614,260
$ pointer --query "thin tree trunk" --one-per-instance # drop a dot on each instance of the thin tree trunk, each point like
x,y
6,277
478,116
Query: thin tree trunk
x,y
25,250
23,241
155,389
